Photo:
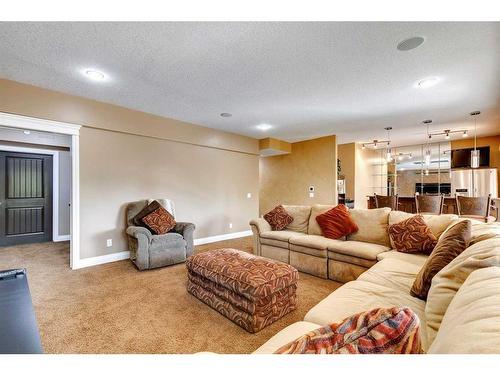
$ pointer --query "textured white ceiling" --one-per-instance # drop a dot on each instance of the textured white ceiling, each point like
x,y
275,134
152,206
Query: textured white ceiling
x,y
306,79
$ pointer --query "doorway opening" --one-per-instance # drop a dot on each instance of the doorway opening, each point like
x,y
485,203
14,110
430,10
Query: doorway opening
x,y
39,184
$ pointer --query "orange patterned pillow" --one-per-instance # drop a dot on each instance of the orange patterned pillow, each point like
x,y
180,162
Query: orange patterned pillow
x,y
160,221
278,218
336,223
412,236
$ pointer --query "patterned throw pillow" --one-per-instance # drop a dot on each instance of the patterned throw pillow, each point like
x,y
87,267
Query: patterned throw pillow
x,y
336,223
412,236
450,245
278,218
160,221
137,219
393,330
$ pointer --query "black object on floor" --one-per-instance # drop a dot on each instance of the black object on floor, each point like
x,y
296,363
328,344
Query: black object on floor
x,y
18,328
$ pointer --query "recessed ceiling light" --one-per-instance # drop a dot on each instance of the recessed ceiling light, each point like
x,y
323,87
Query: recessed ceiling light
x,y
410,43
427,82
27,132
94,75
264,127
225,114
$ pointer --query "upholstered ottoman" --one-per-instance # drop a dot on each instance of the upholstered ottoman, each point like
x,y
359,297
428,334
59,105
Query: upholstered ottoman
x,y
251,291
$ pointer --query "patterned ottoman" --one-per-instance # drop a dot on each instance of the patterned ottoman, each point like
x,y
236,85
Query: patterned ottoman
x,y
250,290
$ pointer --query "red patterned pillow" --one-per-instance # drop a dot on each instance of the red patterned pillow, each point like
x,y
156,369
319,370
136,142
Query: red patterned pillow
x,y
393,330
278,218
160,221
412,236
336,223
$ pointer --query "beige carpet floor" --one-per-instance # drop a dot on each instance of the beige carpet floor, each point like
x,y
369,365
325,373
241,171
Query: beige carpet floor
x,y
114,308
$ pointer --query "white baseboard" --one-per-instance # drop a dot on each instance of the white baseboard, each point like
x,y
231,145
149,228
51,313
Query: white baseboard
x,y
222,237
66,237
94,261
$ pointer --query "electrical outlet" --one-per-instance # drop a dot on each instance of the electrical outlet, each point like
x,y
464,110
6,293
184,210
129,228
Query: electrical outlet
x,y
230,225
249,195
109,242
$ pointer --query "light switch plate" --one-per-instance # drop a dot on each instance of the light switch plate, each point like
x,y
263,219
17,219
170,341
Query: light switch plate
x,y
311,195
109,242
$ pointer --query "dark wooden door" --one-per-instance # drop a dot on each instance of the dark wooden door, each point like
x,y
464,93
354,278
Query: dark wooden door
x,y
25,198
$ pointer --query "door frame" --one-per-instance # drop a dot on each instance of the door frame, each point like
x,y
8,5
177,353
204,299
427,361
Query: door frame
x,y
56,237
37,124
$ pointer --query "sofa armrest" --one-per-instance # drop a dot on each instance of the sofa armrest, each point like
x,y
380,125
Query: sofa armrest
x,y
137,231
186,230
260,224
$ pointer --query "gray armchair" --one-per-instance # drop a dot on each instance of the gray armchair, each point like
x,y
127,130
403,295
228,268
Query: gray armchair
x,y
148,250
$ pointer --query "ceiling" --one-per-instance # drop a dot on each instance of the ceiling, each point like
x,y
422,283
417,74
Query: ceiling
x,y
304,79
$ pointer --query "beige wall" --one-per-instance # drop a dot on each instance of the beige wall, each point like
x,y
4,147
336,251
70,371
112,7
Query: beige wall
x,y
285,179
493,142
127,155
347,157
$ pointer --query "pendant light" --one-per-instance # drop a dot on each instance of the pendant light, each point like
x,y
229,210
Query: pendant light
x,y
427,157
475,154
388,154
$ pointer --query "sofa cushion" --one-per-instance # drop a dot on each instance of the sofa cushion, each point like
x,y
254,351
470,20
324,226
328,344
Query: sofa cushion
x,y
336,223
358,249
316,210
393,330
300,215
447,281
386,284
471,323
437,223
372,225
285,336
313,241
484,231
278,218
416,259
279,238
412,236
449,246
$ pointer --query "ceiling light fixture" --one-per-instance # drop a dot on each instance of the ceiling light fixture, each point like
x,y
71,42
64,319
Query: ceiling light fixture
x,y
410,43
27,132
475,154
427,156
464,134
264,127
427,82
225,114
388,154
94,75
448,133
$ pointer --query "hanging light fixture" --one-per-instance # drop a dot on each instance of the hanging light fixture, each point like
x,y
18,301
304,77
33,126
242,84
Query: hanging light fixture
x,y
475,154
388,154
427,157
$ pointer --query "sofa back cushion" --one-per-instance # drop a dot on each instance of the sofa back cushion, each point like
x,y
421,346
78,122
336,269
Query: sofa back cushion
x,y
316,210
372,225
446,283
472,321
300,216
437,223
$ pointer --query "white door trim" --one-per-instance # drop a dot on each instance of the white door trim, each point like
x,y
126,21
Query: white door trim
x,y
33,123
55,184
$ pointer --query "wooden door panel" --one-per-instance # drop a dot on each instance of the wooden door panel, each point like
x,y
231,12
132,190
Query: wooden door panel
x,y
25,198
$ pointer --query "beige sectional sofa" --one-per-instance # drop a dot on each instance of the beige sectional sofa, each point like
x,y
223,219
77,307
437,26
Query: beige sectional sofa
x,y
462,312
302,245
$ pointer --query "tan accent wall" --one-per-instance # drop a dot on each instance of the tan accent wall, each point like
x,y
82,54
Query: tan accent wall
x,y
285,179
493,142
270,145
347,157
127,155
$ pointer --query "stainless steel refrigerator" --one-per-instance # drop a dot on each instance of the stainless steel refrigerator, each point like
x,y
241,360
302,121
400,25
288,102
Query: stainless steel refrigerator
x,y
474,182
